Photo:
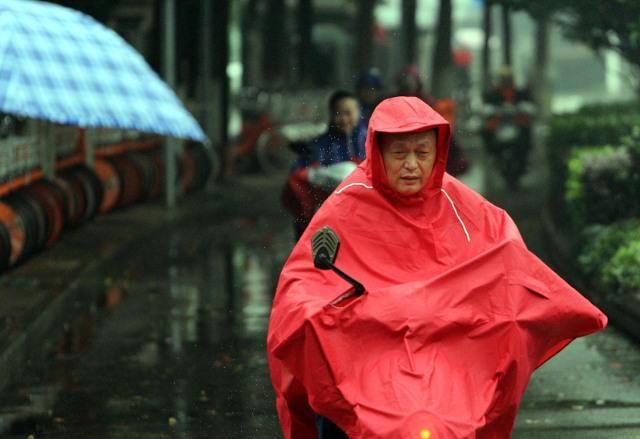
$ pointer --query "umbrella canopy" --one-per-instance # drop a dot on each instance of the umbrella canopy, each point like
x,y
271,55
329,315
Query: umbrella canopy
x,y
60,65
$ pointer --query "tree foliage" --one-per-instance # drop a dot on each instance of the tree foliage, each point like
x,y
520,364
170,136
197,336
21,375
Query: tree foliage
x,y
611,24
441,85
614,24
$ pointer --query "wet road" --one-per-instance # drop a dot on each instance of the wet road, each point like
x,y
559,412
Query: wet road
x,y
182,355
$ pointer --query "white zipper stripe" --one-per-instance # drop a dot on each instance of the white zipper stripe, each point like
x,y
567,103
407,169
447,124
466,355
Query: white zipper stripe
x,y
458,216
353,184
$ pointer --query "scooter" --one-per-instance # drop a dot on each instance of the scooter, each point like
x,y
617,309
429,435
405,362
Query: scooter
x,y
304,192
507,138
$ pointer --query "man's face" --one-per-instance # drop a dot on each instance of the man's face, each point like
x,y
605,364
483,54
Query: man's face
x,y
346,114
408,159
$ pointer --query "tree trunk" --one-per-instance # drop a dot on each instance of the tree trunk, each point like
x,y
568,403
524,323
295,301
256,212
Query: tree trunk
x,y
220,53
155,42
409,31
273,61
507,41
305,48
441,85
542,92
206,67
251,56
169,75
487,27
364,36
188,13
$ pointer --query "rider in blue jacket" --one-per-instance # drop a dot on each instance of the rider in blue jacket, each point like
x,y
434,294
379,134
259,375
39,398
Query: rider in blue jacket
x,y
342,142
344,139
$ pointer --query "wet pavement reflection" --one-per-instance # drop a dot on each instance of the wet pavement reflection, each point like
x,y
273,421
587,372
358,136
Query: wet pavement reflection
x,y
182,355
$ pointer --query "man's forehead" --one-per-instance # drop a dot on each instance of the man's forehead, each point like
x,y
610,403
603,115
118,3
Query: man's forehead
x,y
413,135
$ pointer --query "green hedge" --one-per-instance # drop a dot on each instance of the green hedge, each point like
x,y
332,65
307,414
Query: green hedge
x,y
595,156
601,186
600,243
592,126
569,131
610,257
611,108
622,273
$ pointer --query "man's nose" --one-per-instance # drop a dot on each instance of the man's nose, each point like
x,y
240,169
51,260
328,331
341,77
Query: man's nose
x,y
411,162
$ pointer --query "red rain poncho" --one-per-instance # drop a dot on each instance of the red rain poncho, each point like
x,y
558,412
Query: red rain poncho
x,y
456,316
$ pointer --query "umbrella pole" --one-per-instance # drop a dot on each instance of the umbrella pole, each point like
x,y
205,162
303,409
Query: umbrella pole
x,y
171,144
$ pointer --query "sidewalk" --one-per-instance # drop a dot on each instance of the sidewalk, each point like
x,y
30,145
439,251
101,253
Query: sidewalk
x,y
48,294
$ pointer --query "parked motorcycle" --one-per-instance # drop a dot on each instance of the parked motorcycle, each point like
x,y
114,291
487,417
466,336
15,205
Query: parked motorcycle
x,y
506,131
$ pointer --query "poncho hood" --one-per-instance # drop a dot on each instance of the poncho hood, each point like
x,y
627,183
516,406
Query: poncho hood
x,y
405,115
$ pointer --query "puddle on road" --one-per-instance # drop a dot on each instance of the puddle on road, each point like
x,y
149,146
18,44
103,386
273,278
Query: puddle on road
x,y
176,350
256,287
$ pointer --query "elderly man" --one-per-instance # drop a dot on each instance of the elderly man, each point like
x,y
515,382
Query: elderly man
x,y
456,313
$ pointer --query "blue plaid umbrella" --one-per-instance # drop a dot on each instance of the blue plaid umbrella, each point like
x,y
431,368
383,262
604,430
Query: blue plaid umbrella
x,y
60,65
